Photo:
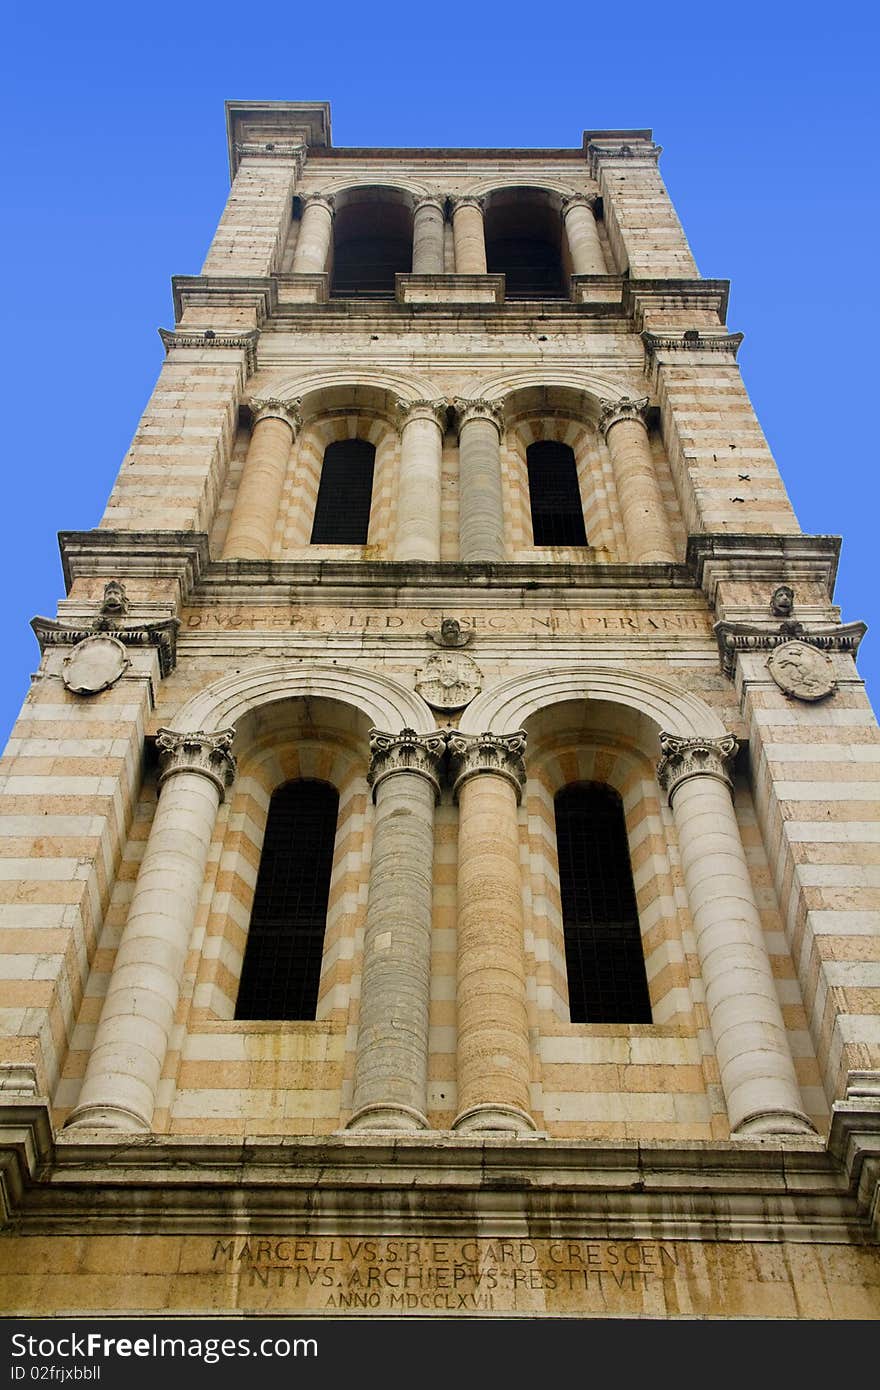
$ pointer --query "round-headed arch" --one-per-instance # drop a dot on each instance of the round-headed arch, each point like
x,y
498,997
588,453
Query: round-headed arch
x,y
374,393
374,697
665,707
540,392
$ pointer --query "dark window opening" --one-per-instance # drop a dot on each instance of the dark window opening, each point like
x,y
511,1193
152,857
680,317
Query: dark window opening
x,y
342,511
282,960
607,982
557,515
366,266
531,267
372,243
524,243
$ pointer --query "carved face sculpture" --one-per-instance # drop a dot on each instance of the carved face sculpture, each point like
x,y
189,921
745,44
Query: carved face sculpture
x,y
782,601
450,631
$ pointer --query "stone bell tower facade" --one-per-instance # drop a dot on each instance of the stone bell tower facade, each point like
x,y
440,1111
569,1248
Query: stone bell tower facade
x,y
440,843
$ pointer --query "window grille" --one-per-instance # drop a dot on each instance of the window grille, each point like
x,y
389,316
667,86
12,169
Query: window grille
x,y
531,267
607,982
365,267
285,945
342,511
557,514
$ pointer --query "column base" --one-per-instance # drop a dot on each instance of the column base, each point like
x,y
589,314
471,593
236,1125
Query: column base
x,y
773,1122
107,1117
495,1119
384,1118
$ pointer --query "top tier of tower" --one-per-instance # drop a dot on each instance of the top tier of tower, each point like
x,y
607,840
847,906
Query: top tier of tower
x,y
352,223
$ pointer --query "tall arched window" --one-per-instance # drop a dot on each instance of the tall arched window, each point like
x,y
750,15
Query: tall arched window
x,y
282,960
342,511
524,243
603,946
557,514
372,244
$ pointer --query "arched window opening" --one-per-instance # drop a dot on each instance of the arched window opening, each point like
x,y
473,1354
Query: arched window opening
x,y
523,242
372,243
282,961
607,982
557,514
342,511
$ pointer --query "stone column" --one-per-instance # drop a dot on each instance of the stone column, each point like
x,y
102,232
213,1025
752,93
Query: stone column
x,y
468,236
315,229
417,535
757,1071
625,429
125,1065
391,1062
252,525
587,256
429,220
494,1062
481,510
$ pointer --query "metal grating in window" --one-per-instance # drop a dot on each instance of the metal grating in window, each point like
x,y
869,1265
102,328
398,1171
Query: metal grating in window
x,y
342,511
282,961
531,267
366,267
607,982
557,514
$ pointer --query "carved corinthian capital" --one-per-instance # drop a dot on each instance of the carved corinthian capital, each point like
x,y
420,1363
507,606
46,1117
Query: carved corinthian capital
x,y
406,752
467,200
320,200
499,753
466,410
580,200
421,410
270,408
695,757
612,412
210,755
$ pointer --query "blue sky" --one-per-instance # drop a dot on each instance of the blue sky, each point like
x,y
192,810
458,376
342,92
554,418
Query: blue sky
x,y
114,176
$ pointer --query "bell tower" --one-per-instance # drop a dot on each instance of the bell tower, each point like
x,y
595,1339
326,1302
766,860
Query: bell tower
x,y
440,841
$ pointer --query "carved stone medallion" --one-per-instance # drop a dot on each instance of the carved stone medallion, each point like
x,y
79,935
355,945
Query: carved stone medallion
x,y
802,671
94,665
449,680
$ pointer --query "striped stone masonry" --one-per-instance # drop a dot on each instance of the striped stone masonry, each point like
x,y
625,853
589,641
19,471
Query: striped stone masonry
x,y
122,1078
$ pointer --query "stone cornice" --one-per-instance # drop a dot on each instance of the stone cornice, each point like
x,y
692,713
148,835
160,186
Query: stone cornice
x,y
162,635
645,296
217,292
182,555
420,754
208,755
203,338
690,341
684,758
604,147
771,559
501,754
294,153
735,639
296,124
402,1186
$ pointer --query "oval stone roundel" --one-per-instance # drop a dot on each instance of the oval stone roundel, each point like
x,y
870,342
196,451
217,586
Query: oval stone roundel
x,y
94,665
